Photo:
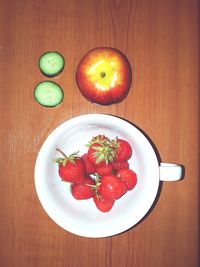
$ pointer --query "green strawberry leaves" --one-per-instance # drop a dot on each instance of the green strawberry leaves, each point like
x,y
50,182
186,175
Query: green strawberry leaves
x,y
71,158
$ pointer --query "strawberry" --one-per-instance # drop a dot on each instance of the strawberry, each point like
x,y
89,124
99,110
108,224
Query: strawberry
x,y
117,165
102,168
111,188
100,150
89,167
129,177
103,204
71,168
123,150
83,190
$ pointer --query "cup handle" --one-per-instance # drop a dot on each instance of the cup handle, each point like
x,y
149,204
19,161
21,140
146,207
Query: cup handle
x,y
170,172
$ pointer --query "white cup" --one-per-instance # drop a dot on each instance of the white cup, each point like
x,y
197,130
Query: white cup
x,y
82,217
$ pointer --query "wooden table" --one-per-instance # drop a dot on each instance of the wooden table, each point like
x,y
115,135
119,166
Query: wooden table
x,y
160,39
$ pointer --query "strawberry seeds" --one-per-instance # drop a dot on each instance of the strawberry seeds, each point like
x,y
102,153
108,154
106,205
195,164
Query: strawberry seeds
x,y
102,173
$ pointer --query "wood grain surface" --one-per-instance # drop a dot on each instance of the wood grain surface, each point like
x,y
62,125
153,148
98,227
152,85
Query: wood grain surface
x,y
161,40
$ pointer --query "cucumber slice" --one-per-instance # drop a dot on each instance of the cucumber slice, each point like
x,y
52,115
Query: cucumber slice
x,y
51,63
48,94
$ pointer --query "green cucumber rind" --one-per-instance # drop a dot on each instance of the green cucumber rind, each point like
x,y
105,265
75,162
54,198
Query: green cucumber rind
x,y
45,72
43,102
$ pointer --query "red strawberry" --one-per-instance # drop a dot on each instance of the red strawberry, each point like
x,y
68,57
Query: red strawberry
x,y
100,150
103,168
89,167
124,150
117,165
111,188
83,190
103,204
129,177
71,168
98,153
92,153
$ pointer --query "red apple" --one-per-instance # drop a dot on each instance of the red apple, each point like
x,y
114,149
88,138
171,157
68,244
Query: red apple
x,y
104,76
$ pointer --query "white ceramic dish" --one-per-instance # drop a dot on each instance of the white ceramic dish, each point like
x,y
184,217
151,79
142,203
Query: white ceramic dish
x,y
82,217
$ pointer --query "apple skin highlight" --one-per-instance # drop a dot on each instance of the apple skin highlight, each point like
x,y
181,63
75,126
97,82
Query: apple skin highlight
x,y
104,76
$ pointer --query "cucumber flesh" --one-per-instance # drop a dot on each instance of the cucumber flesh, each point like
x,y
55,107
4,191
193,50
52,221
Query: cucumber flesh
x,y
51,63
48,94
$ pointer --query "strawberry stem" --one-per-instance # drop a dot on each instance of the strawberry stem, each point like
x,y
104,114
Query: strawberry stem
x,y
62,153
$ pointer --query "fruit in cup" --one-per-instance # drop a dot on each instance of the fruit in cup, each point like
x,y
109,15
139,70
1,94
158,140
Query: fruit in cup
x,y
71,168
117,165
104,76
103,205
104,168
106,150
123,150
83,190
89,166
129,177
99,150
101,173
111,188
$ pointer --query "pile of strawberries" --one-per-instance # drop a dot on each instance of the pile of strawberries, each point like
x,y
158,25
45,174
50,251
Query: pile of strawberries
x,y
102,173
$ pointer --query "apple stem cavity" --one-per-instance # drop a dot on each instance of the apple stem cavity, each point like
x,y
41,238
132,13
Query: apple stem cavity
x,y
103,74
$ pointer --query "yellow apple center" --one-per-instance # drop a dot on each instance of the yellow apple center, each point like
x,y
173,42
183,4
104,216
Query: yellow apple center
x,y
103,74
